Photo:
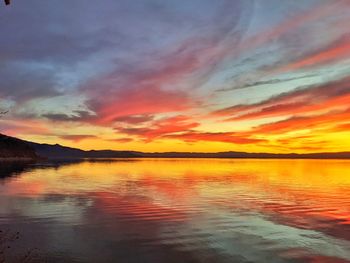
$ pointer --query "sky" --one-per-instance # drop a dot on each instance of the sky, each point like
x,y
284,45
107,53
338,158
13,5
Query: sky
x,y
189,75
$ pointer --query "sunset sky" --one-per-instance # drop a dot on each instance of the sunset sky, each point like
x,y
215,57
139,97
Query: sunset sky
x,y
164,75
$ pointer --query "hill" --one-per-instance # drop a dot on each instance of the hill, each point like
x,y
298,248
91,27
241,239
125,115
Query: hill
x,y
57,151
13,148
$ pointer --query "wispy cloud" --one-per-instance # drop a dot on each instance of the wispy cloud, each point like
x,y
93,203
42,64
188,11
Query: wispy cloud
x,y
160,128
296,123
305,100
76,116
265,82
336,51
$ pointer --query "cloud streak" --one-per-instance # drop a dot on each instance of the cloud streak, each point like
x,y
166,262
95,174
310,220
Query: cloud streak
x,y
335,52
265,82
300,101
160,128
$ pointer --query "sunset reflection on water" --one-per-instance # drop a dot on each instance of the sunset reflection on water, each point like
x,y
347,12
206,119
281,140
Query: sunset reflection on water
x,y
181,210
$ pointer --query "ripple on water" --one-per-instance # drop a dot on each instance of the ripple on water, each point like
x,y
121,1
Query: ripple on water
x,y
182,211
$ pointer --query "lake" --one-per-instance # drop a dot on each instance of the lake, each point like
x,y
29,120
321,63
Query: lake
x,y
176,210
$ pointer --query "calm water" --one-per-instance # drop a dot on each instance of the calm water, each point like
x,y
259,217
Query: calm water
x,y
177,211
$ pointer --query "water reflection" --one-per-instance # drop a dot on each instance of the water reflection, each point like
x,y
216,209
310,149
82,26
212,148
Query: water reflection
x,y
182,210
10,168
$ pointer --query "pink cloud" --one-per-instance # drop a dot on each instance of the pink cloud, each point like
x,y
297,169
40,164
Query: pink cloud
x,y
144,101
23,126
160,128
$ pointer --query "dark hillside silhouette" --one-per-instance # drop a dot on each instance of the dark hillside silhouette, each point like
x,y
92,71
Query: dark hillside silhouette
x,y
15,148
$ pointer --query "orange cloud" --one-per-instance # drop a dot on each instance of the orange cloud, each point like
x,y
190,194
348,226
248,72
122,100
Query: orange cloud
x,y
342,127
303,122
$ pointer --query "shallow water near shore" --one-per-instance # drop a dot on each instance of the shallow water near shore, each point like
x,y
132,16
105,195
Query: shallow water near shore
x,y
179,210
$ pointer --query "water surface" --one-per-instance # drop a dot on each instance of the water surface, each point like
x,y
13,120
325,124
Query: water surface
x,y
177,210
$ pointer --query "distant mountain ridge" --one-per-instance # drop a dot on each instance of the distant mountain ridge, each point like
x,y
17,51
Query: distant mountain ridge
x,y
62,152
16,147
